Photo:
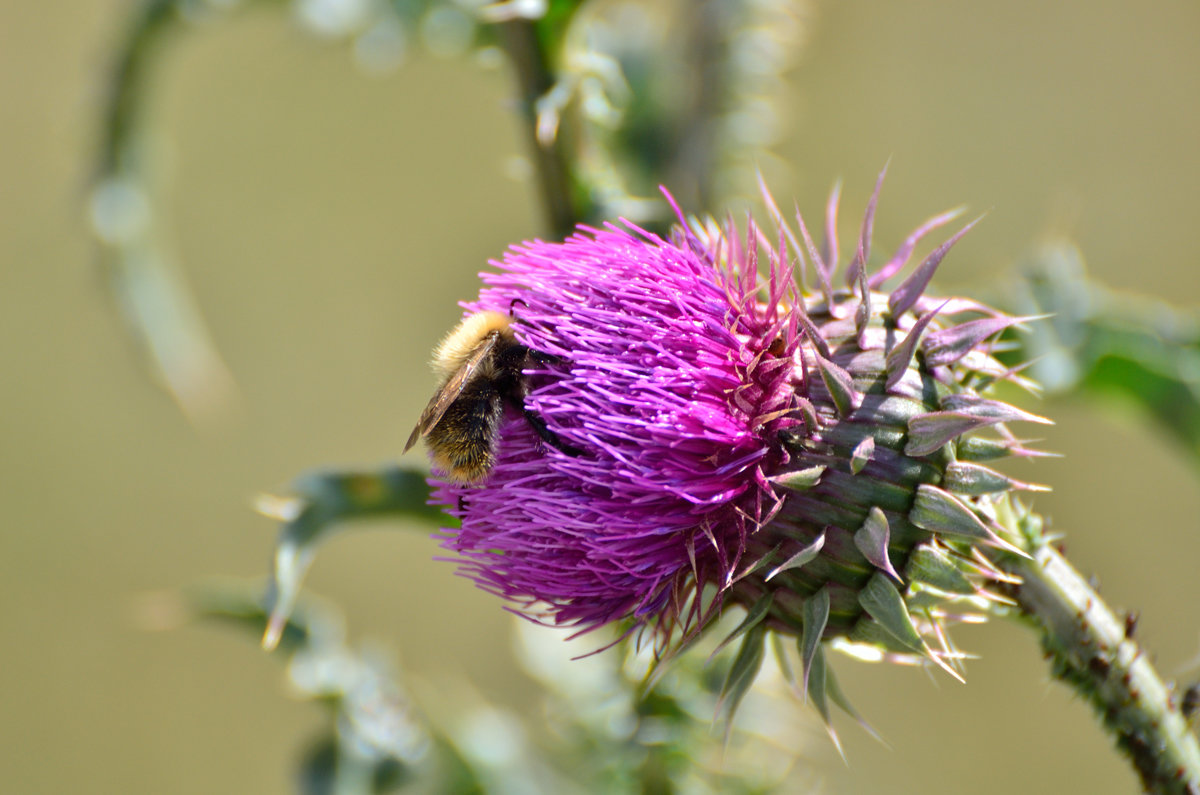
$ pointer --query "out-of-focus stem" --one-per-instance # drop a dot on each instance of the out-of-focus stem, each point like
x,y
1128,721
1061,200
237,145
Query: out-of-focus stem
x,y
150,25
1089,650
146,30
693,169
551,160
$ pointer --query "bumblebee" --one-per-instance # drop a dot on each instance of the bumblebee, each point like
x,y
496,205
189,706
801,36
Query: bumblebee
x,y
481,365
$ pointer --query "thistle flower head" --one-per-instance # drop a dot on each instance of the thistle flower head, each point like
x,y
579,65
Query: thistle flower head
x,y
813,456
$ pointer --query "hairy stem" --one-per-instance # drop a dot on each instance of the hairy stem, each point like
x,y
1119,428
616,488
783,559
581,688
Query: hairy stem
x,y
1091,650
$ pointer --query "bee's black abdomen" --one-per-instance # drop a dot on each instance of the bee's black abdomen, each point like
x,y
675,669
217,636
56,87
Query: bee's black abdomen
x,y
464,440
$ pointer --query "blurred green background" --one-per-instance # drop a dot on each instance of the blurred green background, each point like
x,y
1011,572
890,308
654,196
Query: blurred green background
x,y
329,221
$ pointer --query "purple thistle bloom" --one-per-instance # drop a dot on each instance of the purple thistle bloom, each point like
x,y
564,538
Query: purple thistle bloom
x,y
676,379
816,458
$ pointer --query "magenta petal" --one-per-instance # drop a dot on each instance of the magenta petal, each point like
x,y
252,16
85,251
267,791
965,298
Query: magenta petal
x,y
667,369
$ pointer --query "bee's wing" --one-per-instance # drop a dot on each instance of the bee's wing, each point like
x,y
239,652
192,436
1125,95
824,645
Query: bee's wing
x,y
449,393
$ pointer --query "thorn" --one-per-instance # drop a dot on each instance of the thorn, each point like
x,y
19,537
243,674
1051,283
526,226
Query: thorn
x,y
1189,705
831,232
819,264
274,632
858,265
1131,622
900,258
911,289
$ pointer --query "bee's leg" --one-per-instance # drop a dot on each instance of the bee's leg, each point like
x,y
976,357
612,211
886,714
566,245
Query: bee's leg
x,y
548,436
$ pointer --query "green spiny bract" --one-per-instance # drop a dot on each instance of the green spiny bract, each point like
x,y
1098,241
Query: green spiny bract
x,y
891,516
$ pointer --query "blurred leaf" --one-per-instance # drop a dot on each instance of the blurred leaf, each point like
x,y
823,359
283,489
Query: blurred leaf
x,y
317,774
1104,343
243,606
375,742
610,737
147,286
323,771
321,503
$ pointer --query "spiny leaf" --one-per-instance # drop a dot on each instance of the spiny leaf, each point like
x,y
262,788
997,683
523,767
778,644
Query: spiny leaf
x,y
900,357
754,616
741,676
863,452
812,333
805,555
820,265
755,566
323,501
935,567
801,479
948,345
975,479
900,258
840,385
819,691
962,414
807,413
911,289
831,230
885,604
815,614
858,265
872,540
941,512
995,410
929,432
863,314
980,448
784,228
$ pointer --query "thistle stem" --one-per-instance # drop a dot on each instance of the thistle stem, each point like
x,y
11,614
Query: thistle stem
x,y
551,159
693,166
1089,650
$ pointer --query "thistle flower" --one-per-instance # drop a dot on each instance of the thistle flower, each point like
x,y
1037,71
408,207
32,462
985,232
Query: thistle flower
x,y
817,457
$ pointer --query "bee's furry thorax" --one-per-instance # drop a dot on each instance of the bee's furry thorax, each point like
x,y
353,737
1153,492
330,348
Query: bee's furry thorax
x,y
456,347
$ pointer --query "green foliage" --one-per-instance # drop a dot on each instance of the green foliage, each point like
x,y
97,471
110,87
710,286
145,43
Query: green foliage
x,y
599,734
321,503
375,742
1117,347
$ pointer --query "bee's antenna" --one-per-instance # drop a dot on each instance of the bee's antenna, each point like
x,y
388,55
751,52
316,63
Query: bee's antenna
x,y
516,301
